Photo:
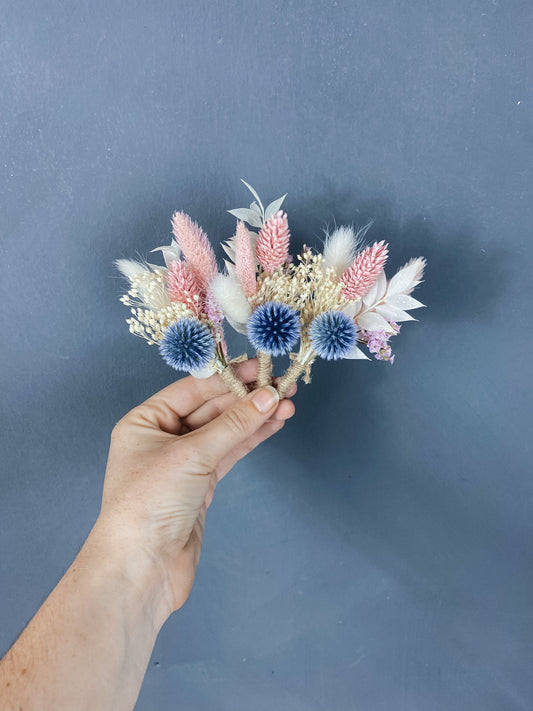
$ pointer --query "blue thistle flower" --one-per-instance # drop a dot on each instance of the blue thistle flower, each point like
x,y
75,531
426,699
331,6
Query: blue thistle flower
x,y
333,335
273,328
187,345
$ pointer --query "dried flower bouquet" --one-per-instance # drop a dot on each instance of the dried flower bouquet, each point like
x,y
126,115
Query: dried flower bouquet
x,y
330,303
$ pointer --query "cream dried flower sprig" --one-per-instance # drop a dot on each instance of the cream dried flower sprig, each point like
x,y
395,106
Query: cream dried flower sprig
x,y
174,307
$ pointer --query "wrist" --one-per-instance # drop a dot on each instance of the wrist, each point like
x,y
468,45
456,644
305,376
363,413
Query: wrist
x,y
138,579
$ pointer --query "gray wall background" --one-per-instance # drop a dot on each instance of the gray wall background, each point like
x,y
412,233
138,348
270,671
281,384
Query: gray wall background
x,y
376,554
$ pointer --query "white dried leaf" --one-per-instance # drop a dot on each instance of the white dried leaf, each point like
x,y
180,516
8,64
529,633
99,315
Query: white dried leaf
x,y
171,252
376,291
381,285
230,267
229,247
407,277
393,314
351,308
254,193
404,301
372,321
274,207
247,215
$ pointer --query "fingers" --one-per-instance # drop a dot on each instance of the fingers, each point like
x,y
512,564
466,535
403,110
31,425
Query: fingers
x,y
285,410
215,407
187,394
235,426
166,408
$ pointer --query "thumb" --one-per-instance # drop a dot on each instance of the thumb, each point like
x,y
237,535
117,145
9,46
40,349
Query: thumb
x,y
236,425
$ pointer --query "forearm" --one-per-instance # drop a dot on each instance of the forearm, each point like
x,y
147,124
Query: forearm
x,y
89,644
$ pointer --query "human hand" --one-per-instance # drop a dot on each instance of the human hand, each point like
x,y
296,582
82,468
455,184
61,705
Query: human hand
x,y
166,457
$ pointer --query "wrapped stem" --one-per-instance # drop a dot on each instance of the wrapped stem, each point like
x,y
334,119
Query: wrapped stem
x,y
236,386
291,375
264,369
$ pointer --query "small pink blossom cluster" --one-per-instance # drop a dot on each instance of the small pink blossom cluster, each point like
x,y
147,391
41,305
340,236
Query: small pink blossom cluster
x,y
377,342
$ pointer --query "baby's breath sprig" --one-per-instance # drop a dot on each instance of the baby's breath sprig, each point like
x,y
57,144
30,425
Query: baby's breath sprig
x,y
170,323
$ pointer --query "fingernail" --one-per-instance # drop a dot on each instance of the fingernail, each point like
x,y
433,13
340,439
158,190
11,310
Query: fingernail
x,y
265,398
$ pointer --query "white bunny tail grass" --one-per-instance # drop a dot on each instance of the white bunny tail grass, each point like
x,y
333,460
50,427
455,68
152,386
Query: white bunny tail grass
x,y
231,298
148,287
130,268
342,245
339,249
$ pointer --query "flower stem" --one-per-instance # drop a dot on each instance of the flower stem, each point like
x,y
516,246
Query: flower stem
x,y
291,375
232,381
264,369
302,364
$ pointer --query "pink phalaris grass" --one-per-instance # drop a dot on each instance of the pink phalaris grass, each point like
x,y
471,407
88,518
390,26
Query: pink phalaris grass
x,y
182,285
195,247
358,278
272,248
245,260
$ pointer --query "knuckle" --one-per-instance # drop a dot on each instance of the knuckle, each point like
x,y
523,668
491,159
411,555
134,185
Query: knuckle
x,y
116,432
236,421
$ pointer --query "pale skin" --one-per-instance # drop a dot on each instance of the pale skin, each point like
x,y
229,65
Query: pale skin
x,y
89,644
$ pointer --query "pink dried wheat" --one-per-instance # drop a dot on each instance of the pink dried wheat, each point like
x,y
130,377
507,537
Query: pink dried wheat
x,y
358,278
272,248
182,285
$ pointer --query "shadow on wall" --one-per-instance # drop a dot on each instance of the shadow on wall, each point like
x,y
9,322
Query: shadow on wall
x,y
362,475
463,283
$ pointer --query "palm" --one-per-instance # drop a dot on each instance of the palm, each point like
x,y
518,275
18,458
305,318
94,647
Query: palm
x,y
151,473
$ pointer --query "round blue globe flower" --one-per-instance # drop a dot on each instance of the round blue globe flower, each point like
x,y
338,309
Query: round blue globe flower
x,y
187,345
273,328
333,335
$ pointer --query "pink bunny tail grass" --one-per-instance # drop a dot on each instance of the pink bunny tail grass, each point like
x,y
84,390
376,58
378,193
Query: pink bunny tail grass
x,y
245,260
358,278
196,249
182,284
272,248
